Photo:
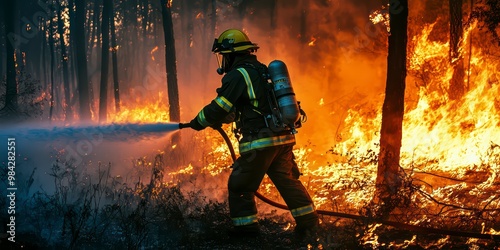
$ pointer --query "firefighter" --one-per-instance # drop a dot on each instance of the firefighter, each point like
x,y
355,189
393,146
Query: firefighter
x,y
243,97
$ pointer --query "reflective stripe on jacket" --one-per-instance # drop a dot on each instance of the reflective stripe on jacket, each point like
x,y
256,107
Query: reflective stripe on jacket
x,y
244,90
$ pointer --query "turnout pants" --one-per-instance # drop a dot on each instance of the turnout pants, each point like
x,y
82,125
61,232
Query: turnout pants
x,y
278,162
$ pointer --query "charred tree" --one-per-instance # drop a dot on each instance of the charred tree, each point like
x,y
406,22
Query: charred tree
x,y
170,62
388,176
81,60
9,8
457,87
64,55
114,58
103,91
171,66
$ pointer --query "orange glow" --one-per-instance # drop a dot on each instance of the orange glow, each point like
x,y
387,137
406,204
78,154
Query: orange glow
x,y
152,52
154,109
312,42
439,135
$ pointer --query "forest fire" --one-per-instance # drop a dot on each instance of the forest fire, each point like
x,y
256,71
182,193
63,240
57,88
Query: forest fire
x,y
450,147
154,109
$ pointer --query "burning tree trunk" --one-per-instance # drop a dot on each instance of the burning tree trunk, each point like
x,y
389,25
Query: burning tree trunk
x,y
64,55
103,93
114,58
11,87
388,177
170,63
81,58
457,88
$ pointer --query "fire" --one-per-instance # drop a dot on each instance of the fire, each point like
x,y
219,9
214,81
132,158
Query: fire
x,y
439,136
138,111
312,42
379,16
152,52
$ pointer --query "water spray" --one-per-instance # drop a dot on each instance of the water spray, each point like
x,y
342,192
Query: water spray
x,y
109,132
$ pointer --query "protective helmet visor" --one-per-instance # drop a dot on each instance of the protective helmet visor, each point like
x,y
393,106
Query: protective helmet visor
x,y
229,46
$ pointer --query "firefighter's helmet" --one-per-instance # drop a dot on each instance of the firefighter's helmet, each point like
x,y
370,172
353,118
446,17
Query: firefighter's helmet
x,y
231,41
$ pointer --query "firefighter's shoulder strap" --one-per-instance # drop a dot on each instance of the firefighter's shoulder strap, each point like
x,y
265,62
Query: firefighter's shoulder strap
x,y
250,90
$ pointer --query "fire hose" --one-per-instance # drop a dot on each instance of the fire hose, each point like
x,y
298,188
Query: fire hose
x,y
399,225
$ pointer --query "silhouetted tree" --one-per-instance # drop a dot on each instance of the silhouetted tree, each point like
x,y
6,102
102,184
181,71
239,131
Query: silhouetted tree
x,y
103,91
388,175
52,66
81,58
9,9
64,57
170,62
457,88
114,58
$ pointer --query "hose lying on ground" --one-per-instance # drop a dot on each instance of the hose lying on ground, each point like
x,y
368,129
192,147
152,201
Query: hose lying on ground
x,y
395,224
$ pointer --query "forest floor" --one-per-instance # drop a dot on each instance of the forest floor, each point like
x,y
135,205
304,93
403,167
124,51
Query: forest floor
x,y
275,234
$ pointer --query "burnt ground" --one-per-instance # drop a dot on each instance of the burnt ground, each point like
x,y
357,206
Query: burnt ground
x,y
275,234
110,215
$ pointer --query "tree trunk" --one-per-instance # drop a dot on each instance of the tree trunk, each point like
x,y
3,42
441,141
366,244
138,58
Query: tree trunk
x,y
64,55
114,57
457,88
43,60
388,178
171,67
52,66
187,25
103,93
81,58
9,8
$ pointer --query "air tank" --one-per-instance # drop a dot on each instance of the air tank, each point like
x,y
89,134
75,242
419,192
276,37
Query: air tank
x,y
283,91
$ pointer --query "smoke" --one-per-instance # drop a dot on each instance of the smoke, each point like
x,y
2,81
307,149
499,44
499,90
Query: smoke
x,y
336,57
334,53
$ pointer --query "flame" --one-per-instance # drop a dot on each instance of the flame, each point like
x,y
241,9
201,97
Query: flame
x,y
152,52
138,111
439,136
312,42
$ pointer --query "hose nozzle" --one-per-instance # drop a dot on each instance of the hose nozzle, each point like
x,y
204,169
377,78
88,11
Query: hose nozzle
x,y
184,125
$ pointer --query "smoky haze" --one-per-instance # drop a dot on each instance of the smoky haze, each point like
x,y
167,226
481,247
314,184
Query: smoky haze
x,y
335,55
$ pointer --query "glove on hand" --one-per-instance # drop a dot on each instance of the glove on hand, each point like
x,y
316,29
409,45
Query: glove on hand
x,y
194,124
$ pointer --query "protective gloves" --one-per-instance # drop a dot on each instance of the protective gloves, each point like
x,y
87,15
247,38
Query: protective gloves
x,y
194,124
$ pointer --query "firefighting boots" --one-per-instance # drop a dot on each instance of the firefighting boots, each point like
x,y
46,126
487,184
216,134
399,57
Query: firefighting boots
x,y
251,230
307,227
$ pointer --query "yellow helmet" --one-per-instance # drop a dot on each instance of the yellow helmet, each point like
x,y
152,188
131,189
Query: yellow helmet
x,y
233,40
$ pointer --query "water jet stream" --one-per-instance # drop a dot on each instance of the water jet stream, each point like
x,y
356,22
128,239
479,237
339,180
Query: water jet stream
x,y
109,132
